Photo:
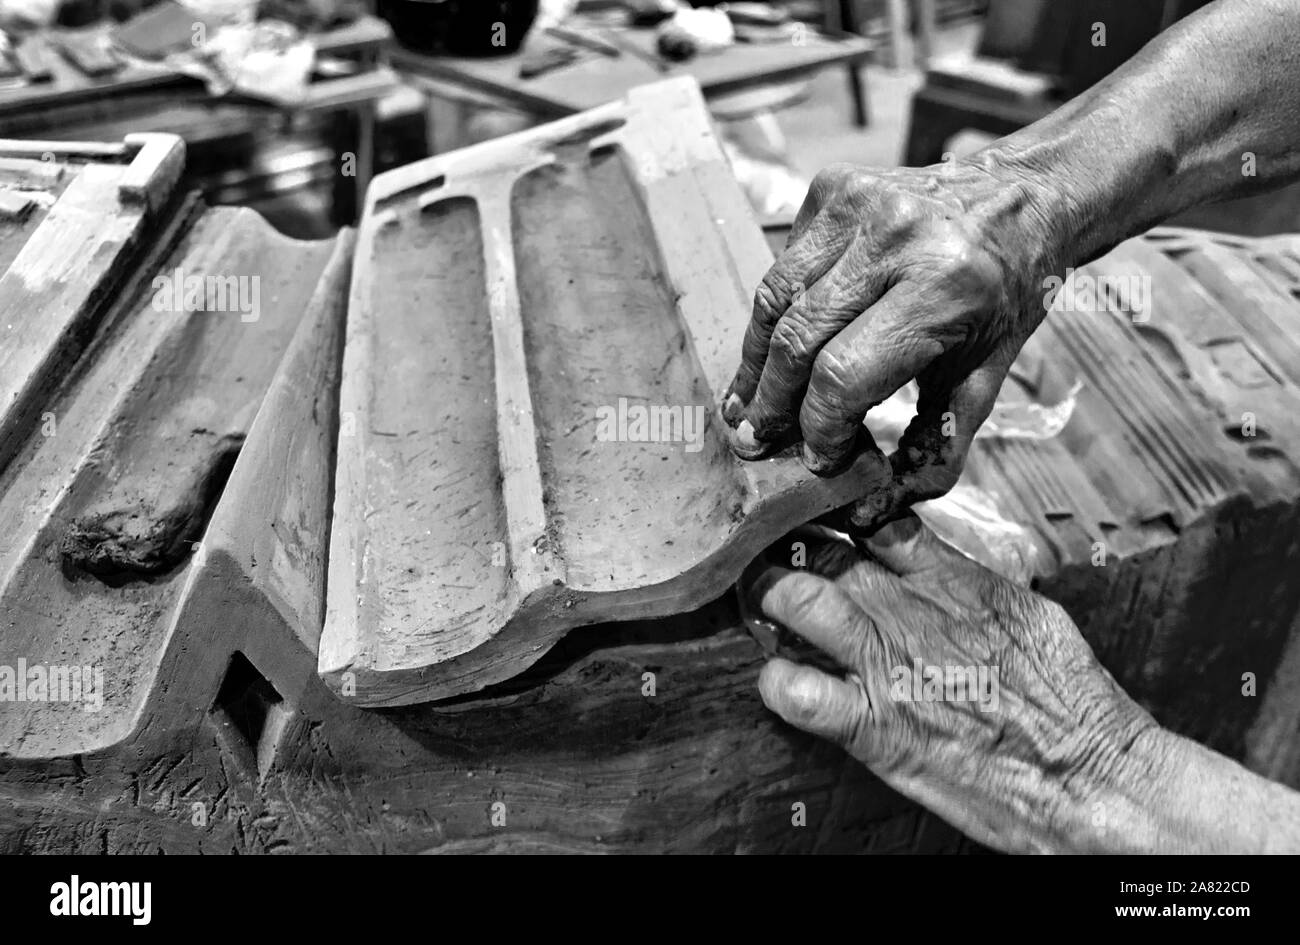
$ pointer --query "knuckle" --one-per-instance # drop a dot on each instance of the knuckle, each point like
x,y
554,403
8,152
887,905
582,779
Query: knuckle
x,y
830,177
833,367
970,271
770,298
897,217
794,337
862,188
902,206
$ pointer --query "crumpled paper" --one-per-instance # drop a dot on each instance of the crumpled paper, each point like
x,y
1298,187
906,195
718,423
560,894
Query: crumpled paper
x,y
26,14
267,60
232,52
1010,419
967,517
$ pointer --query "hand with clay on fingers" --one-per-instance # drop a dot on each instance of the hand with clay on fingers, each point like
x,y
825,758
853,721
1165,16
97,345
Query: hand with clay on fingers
x,y
981,700
888,275
940,273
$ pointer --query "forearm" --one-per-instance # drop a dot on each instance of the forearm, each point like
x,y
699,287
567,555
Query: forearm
x,y
1208,110
1172,795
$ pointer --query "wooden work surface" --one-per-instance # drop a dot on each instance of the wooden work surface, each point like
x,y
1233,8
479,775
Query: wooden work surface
x,y
595,79
71,86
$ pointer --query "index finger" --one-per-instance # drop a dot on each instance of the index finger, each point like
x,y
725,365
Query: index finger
x,y
802,264
883,349
812,247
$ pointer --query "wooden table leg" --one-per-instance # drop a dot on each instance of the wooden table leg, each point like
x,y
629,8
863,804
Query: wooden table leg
x,y
897,13
366,120
353,140
842,16
924,10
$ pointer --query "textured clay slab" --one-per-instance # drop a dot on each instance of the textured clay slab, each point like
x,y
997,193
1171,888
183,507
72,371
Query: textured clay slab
x,y
127,399
506,299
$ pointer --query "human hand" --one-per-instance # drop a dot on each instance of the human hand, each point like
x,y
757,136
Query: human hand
x,y
1022,744
930,273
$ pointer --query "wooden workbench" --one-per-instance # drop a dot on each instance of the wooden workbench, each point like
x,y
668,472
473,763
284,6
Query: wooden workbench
x,y
594,79
147,97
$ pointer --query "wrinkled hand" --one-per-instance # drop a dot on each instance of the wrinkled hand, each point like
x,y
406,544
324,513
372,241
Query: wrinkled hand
x,y
928,273
1015,750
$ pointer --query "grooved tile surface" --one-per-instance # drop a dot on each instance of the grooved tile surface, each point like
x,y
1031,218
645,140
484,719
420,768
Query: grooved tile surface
x,y
518,309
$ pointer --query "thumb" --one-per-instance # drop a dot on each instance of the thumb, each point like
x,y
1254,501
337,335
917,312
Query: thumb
x,y
814,701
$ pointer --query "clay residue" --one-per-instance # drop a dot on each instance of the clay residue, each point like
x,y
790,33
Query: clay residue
x,y
146,526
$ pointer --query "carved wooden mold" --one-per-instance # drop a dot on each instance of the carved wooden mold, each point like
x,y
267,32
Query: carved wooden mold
x,y
518,309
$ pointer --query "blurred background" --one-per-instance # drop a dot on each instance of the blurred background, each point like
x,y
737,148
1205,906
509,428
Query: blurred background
x,y
291,106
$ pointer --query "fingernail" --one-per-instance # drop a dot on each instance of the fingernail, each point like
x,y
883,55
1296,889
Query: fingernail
x,y
763,585
753,585
746,443
732,408
818,464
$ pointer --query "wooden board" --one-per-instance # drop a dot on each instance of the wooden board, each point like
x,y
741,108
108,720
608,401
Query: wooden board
x,y
512,302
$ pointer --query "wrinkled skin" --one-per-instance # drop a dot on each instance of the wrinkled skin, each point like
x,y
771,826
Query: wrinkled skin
x,y
928,273
1017,774
939,273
